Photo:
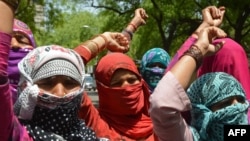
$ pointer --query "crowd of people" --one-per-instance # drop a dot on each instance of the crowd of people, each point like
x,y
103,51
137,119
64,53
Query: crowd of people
x,y
187,98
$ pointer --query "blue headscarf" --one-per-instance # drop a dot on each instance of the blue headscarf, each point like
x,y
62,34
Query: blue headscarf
x,y
208,90
152,75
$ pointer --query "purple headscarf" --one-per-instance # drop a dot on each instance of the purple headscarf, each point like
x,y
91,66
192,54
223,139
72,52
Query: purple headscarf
x,y
15,56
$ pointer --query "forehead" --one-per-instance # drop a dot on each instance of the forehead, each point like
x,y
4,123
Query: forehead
x,y
120,73
19,33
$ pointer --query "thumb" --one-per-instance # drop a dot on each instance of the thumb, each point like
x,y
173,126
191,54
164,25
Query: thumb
x,y
218,45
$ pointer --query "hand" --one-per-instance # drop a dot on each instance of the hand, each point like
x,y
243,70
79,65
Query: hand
x,y
117,42
140,16
213,16
206,37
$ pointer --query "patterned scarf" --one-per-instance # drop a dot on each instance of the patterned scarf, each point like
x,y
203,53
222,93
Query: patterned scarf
x,y
19,26
48,117
207,90
152,75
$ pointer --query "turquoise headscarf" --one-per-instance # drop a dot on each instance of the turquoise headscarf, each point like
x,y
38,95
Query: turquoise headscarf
x,y
152,75
207,90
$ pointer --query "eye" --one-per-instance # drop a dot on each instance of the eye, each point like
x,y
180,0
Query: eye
x,y
132,80
45,83
226,102
70,82
116,84
156,64
22,39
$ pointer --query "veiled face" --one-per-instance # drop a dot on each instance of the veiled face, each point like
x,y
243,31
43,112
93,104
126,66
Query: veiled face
x,y
123,77
58,85
227,102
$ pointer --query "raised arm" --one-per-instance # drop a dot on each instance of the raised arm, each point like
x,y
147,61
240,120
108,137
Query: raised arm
x,y
6,16
191,59
211,16
138,20
7,8
169,98
113,41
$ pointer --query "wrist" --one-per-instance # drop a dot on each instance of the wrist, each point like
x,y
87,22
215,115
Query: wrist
x,y
197,31
195,52
128,34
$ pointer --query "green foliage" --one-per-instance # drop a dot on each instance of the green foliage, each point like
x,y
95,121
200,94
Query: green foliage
x,y
168,26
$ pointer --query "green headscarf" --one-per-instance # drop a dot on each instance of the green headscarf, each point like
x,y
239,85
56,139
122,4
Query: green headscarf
x,y
208,90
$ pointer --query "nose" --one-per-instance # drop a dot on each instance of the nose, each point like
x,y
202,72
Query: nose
x,y
234,101
15,43
59,90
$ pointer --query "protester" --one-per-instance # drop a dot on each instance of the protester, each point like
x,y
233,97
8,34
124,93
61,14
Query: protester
x,y
213,16
233,62
51,88
22,43
213,99
231,59
122,113
153,65
123,101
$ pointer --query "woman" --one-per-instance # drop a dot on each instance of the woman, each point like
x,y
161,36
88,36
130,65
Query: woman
x,y
22,43
123,101
153,65
216,98
231,58
122,113
50,88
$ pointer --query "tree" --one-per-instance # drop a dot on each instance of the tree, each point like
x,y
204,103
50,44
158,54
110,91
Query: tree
x,y
171,22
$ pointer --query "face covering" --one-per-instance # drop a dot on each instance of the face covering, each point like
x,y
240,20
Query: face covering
x,y
152,76
129,98
15,56
50,101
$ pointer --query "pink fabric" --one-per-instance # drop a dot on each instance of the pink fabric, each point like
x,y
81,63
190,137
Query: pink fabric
x,y
185,46
10,128
231,59
167,101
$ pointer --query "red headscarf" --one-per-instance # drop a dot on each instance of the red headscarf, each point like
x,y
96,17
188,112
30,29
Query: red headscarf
x,y
124,109
231,59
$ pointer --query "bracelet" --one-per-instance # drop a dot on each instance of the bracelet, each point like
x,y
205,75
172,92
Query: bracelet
x,y
12,3
92,46
133,25
97,46
195,53
130,33
106,40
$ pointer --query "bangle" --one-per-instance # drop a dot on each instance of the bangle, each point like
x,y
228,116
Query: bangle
x,y
195,53
97,46
105,39
133,26
12,3
130,33
92,46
